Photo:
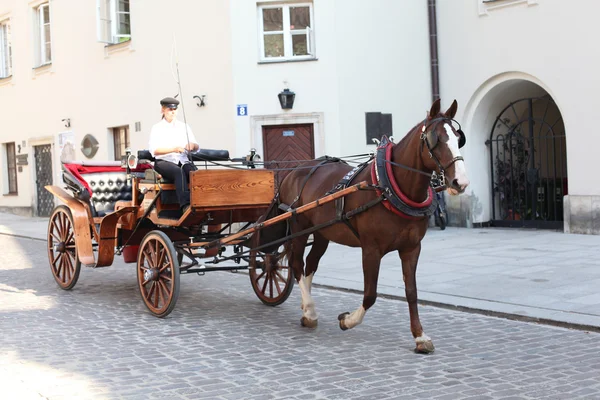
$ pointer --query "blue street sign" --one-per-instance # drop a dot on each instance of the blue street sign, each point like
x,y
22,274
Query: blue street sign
x,y
242,110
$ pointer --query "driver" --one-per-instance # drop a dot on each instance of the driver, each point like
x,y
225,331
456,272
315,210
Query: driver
x,y
169,143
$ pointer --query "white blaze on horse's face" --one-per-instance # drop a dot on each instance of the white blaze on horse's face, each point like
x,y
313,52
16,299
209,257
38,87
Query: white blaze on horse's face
x,y
460,171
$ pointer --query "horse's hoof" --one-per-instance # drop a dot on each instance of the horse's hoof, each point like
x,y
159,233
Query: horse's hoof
x,y
309,323
425,347
343,316
342,319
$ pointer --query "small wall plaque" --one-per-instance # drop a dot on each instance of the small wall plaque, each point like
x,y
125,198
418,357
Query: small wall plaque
x,y
22,159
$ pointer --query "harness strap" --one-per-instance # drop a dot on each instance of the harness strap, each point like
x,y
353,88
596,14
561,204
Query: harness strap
x,y
326,159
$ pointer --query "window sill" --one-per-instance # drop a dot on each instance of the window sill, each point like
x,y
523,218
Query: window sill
x,y
288,60
42,69
11,194
491,5
112,48
5,80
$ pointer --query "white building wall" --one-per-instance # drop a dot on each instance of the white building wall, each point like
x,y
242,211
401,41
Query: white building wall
x,y
99,87
371,57
486,56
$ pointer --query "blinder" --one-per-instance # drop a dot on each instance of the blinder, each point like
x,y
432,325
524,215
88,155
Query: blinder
x,y
462,140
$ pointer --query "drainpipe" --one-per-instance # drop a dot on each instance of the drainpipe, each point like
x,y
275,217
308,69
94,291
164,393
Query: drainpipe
x,y
433,51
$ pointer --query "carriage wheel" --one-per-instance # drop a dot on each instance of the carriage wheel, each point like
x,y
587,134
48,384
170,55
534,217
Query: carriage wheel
x,y
62,252
158,273
271,278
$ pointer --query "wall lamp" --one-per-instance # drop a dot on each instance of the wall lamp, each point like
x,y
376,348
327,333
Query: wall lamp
x,y
200,100
286,99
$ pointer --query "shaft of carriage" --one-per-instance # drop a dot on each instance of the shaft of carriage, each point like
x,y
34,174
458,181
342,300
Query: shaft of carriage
x,y
287,215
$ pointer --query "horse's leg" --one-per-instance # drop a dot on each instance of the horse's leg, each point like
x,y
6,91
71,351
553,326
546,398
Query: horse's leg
x,y
309,315
409,271
296,257
371,259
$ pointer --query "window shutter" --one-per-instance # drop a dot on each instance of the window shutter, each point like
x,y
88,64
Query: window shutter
x,y
103,28
309,41
378,124
386,125
373,120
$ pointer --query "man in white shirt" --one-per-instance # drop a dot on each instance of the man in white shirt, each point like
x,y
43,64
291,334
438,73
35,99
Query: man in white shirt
x,y
170,141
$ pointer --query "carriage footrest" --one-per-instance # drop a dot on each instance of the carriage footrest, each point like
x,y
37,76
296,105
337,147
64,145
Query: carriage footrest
x,y
170,214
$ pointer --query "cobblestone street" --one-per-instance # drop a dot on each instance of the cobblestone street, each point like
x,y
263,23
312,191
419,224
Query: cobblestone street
x,y
98,341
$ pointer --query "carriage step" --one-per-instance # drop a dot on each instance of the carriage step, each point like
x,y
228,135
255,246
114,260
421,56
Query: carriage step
x,y
204,268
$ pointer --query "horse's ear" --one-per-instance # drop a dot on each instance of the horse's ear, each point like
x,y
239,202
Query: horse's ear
x,y
435,109
452,110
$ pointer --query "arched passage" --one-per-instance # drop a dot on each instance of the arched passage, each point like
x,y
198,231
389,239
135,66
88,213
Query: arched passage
x,y
506,96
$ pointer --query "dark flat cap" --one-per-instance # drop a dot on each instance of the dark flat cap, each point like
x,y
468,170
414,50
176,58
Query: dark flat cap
x,y
169,102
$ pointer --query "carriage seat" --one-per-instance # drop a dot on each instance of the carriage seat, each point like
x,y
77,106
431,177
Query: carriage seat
x,y
152,176
198,155
101,185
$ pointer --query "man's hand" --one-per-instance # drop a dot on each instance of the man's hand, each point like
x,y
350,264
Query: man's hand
x,y
179,150
191,146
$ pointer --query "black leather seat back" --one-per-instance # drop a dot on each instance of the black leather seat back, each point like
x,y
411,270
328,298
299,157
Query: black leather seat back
x,y
107,189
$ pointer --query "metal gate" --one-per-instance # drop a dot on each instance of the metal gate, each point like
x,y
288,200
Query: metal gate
x,y
528,160
43,177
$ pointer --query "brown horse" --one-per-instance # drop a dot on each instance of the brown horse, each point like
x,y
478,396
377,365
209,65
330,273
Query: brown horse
x,y
432,145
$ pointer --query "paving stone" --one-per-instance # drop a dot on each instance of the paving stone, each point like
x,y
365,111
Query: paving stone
x,y
98,341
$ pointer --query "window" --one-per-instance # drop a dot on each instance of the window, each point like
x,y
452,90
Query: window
x,y
114,24
11,164
286,32
5,50
121,141
44,48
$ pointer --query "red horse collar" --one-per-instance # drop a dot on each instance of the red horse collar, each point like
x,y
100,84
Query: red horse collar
x,y
396,201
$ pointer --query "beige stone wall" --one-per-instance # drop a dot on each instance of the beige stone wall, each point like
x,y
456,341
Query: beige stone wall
x,y
101,87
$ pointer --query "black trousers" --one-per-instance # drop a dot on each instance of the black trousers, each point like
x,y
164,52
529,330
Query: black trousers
x,y
180,174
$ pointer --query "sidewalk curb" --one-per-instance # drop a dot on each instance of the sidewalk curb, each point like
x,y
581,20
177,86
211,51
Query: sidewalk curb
x,y
22,236
473,310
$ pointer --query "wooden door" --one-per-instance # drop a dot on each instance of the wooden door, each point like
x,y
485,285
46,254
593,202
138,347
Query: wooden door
x,y
290,145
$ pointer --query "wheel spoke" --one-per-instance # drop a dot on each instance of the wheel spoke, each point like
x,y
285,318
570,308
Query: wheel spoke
x,y
264,288
63,225
53,234
155,254
69,238
149,295
156,295
68,269
148,257
56,259
59,268
159,293
167,292
276,284
260,276
271,285
165,277
283,280
161,259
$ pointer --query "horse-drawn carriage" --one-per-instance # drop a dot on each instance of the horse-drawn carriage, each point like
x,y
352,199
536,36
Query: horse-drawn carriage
x,y
240,219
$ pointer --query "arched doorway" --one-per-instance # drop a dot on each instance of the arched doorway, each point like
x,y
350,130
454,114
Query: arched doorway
x,y
528,161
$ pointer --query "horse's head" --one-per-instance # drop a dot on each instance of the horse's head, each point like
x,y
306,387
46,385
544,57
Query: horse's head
x,y
442,139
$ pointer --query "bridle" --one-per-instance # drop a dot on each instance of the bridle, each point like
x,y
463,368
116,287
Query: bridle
x,y
425,139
